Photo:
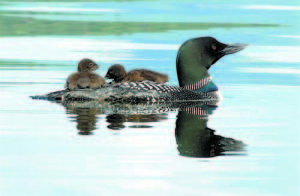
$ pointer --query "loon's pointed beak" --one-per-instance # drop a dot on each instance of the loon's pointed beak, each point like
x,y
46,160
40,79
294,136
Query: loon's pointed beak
x,y
233,48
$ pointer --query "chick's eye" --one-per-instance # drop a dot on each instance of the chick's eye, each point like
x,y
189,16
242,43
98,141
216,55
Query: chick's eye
x,y
90,64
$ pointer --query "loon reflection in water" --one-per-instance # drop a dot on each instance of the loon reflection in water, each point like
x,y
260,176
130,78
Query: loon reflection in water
x,y
193,137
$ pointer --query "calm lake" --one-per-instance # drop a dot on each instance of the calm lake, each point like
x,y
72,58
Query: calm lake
x,y
248,145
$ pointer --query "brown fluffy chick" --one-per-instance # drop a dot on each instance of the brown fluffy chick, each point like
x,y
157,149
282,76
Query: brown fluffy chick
x,y
118,74
85,78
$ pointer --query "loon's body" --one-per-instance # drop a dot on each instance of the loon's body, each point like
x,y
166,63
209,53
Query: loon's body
x,y
146,91
150,91
194,58
118,74
85,78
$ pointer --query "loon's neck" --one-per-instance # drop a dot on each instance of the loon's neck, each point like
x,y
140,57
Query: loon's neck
x,y
191,71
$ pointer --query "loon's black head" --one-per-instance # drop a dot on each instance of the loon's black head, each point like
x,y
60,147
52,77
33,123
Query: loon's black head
x,y
116,72
197,55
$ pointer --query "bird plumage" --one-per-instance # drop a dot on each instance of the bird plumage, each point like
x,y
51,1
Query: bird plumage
x,y
118,74
85,78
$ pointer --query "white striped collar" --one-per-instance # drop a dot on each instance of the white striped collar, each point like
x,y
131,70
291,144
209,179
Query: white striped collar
x,y
199,84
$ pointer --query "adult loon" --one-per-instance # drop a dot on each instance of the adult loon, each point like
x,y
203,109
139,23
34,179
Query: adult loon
x,y
85,78
194,58
118,74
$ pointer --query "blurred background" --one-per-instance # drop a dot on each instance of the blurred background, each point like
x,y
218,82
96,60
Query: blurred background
x,y
45,150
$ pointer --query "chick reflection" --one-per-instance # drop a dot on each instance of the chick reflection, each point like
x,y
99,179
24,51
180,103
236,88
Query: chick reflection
x,y
117,114
195,139
85,118
116,121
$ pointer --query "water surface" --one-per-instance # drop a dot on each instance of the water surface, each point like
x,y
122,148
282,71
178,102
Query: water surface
x,y
51,149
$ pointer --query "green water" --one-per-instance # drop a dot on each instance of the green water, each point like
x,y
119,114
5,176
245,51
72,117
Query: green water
x,y
48,149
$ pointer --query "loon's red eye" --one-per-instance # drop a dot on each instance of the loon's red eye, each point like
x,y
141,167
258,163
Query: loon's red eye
x,y
213,46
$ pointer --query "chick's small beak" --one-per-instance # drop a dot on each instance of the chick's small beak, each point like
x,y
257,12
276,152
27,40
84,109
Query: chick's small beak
x,y
233,48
